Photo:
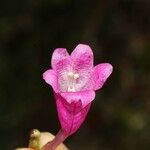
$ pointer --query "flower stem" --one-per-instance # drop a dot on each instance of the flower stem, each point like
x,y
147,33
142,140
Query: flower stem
x,y
59,138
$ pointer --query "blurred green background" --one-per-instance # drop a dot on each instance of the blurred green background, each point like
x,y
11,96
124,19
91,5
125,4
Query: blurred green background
x,y
117,31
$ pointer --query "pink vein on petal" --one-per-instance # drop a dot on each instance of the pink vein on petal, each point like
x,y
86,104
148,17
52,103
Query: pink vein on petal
x,y
59,54
86,97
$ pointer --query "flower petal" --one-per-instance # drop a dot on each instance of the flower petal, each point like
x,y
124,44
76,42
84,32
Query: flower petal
x,y
70,119
85,97
59,54
63,68
50,78
100,74
61,63
82,58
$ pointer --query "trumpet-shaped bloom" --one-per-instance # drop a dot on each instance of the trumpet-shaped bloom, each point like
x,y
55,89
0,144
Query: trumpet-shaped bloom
x,y
74,80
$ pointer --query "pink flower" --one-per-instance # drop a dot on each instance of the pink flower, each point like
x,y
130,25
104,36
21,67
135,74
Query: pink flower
x,y
74,80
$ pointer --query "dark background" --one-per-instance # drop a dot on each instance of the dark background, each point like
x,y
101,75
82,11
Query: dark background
x,y
117,31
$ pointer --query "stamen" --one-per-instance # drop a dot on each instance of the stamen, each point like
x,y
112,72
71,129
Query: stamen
x,y
72,81
70,74
76,76
71,89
